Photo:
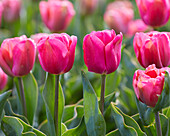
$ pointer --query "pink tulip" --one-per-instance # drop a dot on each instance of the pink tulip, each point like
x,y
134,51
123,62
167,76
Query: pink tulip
x,y
11,10
152,48
154,12
1,10
88,6
102,51
38,36
148,84
118,15
56,14
136,26
17,56
56,53
3,79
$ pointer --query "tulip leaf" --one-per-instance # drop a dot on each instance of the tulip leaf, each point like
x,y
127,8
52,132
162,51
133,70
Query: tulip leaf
x,y
114,133
68,113
3,99
80,130
49,99
12,126
130,126
31,95
164,98
164,124
95,124
146,114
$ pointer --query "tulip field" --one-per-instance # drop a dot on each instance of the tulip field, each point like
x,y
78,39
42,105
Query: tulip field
x,y
84,67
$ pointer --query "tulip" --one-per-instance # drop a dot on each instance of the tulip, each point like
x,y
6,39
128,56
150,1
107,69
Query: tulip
x,y
56,53
11,10
88,6
136,26
3,79
118,15
102,51
148,84
37,37
56,15
152,48
1,10
154,12
17,56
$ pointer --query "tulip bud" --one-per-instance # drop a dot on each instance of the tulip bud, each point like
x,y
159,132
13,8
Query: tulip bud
x,y
148,84
3,79
17,56
154,12
118,15
102,51
56,15
56,53
88,6
136,26
152,48
11,10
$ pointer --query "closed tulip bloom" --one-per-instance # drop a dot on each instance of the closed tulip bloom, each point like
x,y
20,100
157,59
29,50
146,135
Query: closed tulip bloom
x,y
56,14
102,51
154,12
57,52
11,10
148,84
17,56
3,79
152,48
118,15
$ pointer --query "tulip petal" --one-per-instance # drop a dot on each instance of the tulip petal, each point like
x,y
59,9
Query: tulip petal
x,y
94,54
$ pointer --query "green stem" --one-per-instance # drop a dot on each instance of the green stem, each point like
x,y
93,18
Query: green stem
x,y
22,95
102,93
158,124
56,104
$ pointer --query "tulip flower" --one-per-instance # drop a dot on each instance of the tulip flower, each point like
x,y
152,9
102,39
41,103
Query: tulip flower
x,y
88,6
11,10
56,14
136,26
1,10
17,56
152,48
3,79
118,15
102,51
56,52
148,84
37,37
154,12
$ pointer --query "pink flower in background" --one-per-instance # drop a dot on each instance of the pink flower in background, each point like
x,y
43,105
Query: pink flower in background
x,y
17,56
3,79
102,51
152,48
56,15
57,52
148,84
136,26
1,11
88,6
118,15
154,12
11,10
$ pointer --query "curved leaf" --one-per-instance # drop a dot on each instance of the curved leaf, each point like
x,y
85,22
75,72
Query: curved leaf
x,y
114,133
94,120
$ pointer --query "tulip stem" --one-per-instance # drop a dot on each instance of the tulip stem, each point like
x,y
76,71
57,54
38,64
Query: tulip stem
x,y
158,124
22,95
102,93
56,104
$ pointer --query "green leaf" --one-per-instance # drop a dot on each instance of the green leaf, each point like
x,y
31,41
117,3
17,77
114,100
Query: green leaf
x,y
49,99
120,123
114,133
68,113
94,120
29,134
3,99
31,95
80,130
164,98
146,114
63,128
164,124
